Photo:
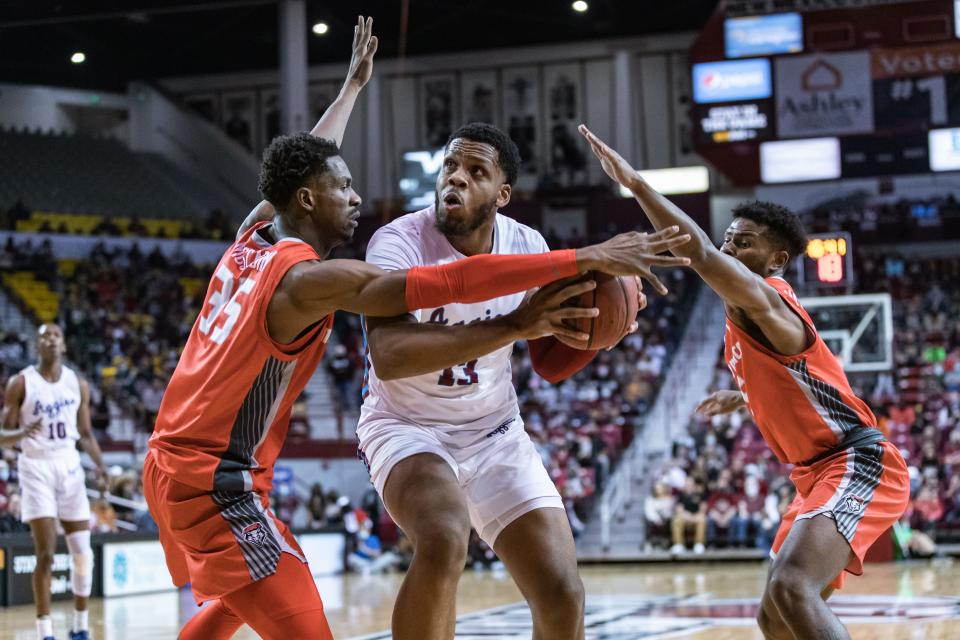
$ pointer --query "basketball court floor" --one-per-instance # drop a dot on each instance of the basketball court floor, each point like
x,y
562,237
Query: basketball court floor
x,y
915,600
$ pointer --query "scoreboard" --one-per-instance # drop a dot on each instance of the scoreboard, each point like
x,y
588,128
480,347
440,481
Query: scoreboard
x,y
828,261
882,82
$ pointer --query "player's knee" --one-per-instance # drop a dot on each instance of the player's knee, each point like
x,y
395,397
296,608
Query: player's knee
x,y
788,588
562,598
772,627
44,561
81,562
444,547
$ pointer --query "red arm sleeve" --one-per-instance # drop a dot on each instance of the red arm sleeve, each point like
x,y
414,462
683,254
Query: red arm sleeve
x,y
484,277
554,361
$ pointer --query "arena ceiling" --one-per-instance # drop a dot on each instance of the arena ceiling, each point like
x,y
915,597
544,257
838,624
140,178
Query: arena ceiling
x,y
127,40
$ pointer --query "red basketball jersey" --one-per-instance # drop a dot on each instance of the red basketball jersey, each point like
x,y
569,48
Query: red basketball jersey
x,y
802,404
225,412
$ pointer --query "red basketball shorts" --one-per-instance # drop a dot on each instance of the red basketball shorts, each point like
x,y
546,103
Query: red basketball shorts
x,y
217,541
863,490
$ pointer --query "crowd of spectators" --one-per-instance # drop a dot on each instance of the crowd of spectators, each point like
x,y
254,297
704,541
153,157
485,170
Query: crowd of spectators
x,y
872,220
724,487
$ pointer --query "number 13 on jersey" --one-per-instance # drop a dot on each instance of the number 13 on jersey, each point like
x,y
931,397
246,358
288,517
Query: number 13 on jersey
x,y
224,301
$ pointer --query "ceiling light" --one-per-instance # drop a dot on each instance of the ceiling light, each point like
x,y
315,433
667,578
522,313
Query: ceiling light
x,y
78,57
321,28
580,6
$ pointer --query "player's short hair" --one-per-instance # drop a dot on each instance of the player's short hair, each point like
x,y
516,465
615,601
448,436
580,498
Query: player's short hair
x,y
508,156
785,227
289,161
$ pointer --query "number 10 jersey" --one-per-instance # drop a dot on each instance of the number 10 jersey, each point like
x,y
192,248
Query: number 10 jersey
x,y
224,415
55,405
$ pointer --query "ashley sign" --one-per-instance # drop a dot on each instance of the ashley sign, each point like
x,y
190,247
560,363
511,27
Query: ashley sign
x,y
820,94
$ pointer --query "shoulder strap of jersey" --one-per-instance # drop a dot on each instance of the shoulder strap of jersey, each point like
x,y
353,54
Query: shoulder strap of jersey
x,y
790,297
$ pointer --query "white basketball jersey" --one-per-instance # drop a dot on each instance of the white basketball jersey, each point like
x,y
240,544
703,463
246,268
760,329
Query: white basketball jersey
x,y
55,404
473,394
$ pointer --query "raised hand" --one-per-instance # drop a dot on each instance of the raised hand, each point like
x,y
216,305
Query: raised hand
x,y
364,47
633,254
612,162
720,402
543,313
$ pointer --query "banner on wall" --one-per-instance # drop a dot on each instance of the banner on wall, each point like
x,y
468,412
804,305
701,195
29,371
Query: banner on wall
x,y
916,87
821,94
134,567
21,562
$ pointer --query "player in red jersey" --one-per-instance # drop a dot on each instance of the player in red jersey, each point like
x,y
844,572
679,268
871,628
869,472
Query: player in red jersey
x,y
260,334
851,483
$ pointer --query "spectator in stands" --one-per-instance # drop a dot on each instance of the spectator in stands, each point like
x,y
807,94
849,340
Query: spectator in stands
x,y
723,516
658,509
10,518
928,507
690,512
106,227
759,509
103,519
341,371
316,506
136,228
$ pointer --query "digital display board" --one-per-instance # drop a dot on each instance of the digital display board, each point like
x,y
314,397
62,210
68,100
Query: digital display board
x,y
418,178
828,261
763,35
800,160
731,80
734,122
868,156
944,149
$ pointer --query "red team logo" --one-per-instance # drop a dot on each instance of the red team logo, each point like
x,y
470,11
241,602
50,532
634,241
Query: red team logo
x,y
254,533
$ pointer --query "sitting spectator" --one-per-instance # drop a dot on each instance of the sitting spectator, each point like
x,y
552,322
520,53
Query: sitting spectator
x,y
928,507
103,519
10,518
658,509
316,507
723,516
690,512
759,509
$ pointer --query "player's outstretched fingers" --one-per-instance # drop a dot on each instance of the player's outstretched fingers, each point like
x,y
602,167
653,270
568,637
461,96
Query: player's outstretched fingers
x,y
671,243
652,278
669,261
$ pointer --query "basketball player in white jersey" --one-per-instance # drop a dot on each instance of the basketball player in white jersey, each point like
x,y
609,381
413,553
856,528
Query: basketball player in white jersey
x,y
51,477
440,429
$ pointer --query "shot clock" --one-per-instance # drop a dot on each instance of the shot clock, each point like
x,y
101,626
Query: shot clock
x,y
828,261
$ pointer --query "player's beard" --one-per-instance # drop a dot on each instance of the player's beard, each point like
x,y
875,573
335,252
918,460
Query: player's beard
x,y
460,228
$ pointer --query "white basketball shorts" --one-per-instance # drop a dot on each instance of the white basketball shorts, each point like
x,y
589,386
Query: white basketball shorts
x,y
501,473
53,487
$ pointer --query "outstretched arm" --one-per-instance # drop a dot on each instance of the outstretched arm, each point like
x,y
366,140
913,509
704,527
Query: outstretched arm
x,y
333,123
401,347
731,279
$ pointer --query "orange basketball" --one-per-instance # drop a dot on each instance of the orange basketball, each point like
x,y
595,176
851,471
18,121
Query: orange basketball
x,y
617,299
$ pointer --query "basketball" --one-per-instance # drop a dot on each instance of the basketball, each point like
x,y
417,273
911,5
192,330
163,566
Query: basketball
x,y
617,299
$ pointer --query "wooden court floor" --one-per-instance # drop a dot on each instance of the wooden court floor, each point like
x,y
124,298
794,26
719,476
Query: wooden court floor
x,y
680,600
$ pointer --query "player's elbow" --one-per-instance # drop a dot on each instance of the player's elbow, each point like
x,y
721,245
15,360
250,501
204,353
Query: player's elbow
x,y
386,363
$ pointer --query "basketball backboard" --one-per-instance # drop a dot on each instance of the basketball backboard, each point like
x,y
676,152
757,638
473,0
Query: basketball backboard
x,y
857,328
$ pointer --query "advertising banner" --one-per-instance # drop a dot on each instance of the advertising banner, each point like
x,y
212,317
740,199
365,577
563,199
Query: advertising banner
x,y
824,94
21,561
731,80
763,35
134,567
